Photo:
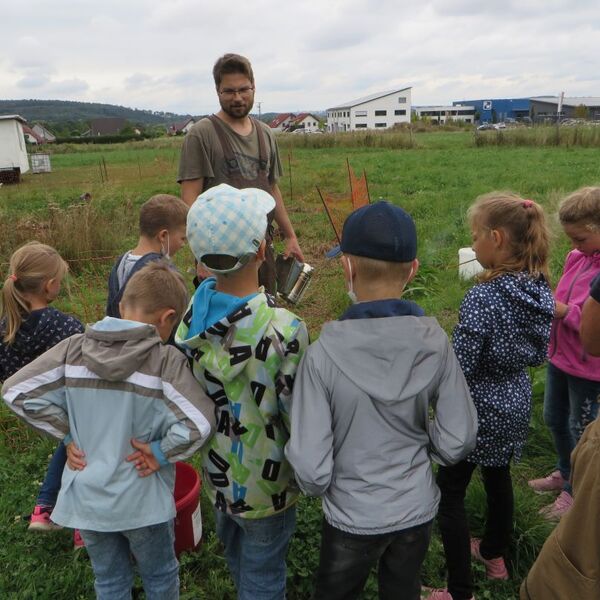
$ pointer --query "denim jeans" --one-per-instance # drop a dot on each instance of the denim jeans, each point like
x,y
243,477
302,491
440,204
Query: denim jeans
x,y
570,404
51,485
152,548
347,559
454,528
255,550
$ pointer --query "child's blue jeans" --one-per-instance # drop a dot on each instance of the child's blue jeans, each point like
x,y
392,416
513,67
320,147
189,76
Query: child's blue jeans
x,y
152,548
570,404
51,485
255,550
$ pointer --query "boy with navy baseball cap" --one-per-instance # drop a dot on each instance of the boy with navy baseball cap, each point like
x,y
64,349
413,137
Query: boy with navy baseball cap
x,y
361,436
245,352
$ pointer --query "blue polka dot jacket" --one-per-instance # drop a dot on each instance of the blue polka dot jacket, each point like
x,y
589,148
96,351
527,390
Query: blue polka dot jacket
x,y
504,327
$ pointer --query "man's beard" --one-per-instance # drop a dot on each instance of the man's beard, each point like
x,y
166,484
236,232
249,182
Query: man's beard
x,y
237,111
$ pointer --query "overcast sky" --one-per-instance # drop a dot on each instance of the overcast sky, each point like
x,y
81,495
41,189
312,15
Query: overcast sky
x,y
307,54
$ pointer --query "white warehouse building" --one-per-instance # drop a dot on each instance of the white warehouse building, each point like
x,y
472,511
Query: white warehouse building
x,y
377,111
441,114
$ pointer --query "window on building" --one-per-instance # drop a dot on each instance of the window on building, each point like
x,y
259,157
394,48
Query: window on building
x,y
360,113
380,113
402,100
400,112
361,126
380,124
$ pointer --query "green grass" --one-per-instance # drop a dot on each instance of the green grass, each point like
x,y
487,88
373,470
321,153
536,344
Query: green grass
x,y
436,180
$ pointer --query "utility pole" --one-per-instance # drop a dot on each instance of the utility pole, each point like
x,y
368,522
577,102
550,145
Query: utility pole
x,y
259,105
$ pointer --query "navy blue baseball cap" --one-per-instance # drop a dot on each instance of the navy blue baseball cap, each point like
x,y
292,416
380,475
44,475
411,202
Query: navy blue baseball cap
x,y
381,231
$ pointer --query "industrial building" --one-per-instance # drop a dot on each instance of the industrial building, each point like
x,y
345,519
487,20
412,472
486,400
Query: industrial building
x,y
441,114
495,110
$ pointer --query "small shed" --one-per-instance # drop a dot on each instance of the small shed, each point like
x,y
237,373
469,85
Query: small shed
x,y
13,152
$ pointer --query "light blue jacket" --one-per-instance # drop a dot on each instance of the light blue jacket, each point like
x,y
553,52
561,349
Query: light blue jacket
x,y
114,382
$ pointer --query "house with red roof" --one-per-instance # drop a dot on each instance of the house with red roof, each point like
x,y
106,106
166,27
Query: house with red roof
x,y
305,121
282,121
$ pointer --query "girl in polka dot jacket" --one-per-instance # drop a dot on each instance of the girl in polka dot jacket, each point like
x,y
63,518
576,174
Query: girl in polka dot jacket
x,y
29,327
503,328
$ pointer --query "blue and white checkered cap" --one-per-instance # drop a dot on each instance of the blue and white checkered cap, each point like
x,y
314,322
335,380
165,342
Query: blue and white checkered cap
x,y
227,221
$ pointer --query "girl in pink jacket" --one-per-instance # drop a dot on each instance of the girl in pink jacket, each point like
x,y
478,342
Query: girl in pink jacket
x,y
573,376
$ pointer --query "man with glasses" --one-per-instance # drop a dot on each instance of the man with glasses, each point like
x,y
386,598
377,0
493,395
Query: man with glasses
x,y
234,148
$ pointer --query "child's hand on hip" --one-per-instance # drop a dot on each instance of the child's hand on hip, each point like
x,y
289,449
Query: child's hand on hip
x,y
75,457
143,458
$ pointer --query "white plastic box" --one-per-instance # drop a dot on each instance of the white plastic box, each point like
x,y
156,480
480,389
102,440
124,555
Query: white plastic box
x,y
468,265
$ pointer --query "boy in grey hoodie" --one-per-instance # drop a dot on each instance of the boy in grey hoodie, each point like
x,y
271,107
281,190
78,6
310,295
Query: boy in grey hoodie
x,y
362,431
127,402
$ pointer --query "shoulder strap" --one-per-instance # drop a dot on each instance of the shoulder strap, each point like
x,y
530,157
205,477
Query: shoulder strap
x,y
230,159
262,149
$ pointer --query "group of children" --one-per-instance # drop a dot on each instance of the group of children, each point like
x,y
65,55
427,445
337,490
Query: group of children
x,y
356,417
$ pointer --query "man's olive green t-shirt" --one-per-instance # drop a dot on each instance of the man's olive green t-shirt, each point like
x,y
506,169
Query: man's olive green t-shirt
x,y
202,155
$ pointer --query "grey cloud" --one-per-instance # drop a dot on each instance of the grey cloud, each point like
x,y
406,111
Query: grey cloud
x,y
33,81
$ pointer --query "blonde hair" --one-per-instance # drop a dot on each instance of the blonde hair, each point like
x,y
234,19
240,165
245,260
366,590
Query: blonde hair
x,y
162,211
524,223
156,287
372,270
581,207
30,268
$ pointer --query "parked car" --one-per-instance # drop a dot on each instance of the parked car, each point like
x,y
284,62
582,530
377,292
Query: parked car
x,y
485,127
500,126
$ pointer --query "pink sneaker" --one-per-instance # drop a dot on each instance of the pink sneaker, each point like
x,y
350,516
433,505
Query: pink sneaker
x,y
78,542
441,594
552,483
40,519
558,508
494,567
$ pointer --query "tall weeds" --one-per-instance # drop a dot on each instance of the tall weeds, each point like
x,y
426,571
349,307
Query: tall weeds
x,y
584,136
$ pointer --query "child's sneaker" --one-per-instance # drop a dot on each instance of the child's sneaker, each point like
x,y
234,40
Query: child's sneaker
x,y
40,519
78,542
494,567
432,594
558,508
552,483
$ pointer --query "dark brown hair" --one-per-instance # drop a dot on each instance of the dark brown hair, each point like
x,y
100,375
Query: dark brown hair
x,y
232,63
524,223
162,211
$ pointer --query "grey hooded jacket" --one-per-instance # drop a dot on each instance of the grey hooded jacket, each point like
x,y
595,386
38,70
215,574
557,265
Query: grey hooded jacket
x,y
374,400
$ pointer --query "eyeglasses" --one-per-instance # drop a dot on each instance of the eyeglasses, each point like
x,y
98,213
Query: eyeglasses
x,y
244,91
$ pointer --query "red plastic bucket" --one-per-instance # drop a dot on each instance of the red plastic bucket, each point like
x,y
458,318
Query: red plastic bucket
x,y
188,522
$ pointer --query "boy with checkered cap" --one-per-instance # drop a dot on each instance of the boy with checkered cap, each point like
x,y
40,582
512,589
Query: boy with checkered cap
x,y
361,434
245,352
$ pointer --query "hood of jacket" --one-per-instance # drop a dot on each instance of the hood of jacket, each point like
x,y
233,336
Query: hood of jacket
x,y
529,297
226,347
116,348
39,325
390,359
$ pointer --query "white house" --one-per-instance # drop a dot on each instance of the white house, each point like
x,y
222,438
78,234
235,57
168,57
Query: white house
x,y
180,128
13,152
441,114
305,121
377,111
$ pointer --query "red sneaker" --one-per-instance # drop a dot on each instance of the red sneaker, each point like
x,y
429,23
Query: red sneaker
x,y
40,519
78,542
494,567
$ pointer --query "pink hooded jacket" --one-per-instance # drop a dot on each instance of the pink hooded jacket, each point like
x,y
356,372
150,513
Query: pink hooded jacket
x,y
566,352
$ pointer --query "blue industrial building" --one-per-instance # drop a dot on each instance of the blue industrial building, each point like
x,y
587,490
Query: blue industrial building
x,y
495,110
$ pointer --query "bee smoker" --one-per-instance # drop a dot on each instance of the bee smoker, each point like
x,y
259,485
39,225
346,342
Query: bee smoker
x,y
293,278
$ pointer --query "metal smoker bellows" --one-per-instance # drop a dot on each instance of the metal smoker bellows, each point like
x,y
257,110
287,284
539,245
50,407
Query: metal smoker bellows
x,y
293,278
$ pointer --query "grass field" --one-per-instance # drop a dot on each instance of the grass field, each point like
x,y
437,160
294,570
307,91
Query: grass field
x,y
436,179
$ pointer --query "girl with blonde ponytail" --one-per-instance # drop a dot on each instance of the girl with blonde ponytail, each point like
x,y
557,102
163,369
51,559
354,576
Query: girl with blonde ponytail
x,y
503,328
29,327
